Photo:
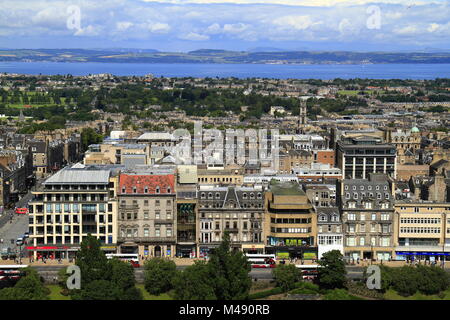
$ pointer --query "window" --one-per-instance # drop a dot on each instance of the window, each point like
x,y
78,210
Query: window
x,y
157,232
351,216
361,241
146,232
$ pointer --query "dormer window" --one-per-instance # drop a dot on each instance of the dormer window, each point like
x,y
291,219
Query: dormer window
x,y
210,195
168,190
146,190
134,190
259,195
157,189
244,195
203,195
217,195
322,218
124,190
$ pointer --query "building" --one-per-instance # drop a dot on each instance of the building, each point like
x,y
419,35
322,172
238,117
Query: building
x,y
233,209
317,172
74,202
359,156
147,215
290,227
329,230
422,230
367,213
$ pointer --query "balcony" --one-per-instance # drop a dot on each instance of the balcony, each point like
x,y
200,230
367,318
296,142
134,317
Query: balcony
x,y
147,239
163,221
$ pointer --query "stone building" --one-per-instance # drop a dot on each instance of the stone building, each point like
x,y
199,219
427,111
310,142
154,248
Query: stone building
x,y
147,215
367,212
233,209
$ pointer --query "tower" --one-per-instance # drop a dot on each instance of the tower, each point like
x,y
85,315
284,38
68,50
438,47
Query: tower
x,y
302,117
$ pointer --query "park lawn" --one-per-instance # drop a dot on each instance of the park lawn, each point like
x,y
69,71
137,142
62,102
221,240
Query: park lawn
x,y
148,296
393,295
55,293
21,106
348,92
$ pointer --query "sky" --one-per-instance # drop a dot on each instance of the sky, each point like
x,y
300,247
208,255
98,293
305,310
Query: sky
x,y
240,25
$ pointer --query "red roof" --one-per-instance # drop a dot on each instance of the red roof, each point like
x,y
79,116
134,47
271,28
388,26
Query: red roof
x,y
165,183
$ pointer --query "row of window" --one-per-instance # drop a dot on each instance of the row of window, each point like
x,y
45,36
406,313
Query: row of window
x,y
361,241
290,230
362,188
233,205
146,202
351,228
292,220
76,197
57,218
146,189
229,216
133,232
420,230
146,215
329,240
421,220
75,208
207,225
363,195
373,216
251,195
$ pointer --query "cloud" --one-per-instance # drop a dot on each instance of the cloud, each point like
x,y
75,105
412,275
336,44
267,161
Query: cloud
x,y
297,22
158,27
194,36
230,23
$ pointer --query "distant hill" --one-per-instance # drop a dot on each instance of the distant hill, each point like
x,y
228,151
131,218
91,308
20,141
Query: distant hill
x,y
261,56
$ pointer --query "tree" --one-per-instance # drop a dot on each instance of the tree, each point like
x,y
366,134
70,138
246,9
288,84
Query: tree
x,y
29,287
89,136
98,290
123,279
92,261
194,283
286,275
332,273
229,271
158,275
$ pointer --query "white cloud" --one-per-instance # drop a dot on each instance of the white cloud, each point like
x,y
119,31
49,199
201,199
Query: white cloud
x,y
297,22
123,25
88,31
433,27
159,27
194,36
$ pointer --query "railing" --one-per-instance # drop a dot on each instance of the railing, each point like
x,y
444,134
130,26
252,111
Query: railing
x,y
163,221
146,239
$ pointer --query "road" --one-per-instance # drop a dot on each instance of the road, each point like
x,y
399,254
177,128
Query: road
x,y
10,231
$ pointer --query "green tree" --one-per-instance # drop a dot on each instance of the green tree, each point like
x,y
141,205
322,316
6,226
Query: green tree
x,y
29,287
123,279
229,271
194,283
332,273
92,261
158,275
286,275
89,136
98,290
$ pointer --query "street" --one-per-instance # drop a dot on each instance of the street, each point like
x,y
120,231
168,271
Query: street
x,y
9,232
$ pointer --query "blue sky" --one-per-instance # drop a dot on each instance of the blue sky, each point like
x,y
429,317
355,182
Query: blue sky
x,y
184,25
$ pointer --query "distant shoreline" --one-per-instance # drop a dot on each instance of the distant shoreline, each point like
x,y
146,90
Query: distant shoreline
x,y
417,71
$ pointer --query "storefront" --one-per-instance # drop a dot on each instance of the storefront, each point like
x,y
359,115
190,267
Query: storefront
x,y
422,255
186,251
52,252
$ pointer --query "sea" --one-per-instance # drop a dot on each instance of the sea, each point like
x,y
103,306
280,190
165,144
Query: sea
x,y
203,70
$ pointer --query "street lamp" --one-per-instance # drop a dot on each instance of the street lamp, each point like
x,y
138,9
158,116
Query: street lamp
x,y
19,242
